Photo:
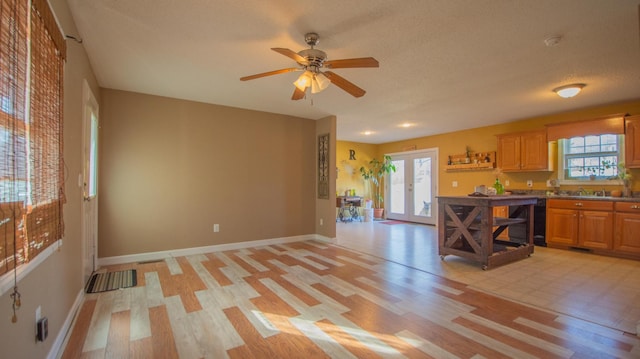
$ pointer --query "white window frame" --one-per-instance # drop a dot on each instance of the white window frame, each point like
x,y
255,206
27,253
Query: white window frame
x,y
582,182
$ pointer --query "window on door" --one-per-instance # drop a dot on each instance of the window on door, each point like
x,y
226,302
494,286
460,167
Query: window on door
x,y
412,188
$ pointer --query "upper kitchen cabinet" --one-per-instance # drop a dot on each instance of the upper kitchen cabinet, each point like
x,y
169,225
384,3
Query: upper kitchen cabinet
x,y
523,151
632,141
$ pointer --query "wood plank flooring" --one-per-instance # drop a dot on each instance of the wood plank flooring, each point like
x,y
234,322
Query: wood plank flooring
x,y
316,300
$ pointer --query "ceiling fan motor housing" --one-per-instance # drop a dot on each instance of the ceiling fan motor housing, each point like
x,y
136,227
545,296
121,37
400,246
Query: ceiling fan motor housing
x,y
314,57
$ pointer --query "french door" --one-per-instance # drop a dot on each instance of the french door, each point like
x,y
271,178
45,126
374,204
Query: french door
x,y
90,182
412,188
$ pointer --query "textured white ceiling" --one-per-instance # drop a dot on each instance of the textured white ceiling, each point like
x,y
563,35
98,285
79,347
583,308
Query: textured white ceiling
x,y
445,65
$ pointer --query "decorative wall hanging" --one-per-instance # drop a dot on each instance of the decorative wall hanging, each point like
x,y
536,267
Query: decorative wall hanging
x,y
323,166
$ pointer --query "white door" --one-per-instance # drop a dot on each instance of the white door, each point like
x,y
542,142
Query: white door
x,y
413,187
90,182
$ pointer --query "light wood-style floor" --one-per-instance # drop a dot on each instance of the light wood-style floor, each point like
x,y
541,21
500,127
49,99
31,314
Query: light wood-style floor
x,y
599,289
316,300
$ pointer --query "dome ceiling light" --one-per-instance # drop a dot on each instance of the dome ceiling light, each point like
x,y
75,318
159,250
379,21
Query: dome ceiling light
x,y
568,91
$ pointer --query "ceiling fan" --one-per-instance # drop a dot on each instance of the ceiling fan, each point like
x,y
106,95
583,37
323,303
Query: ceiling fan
x,y
311,62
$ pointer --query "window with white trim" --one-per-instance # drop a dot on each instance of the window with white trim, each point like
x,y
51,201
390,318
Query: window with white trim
x,y
590,158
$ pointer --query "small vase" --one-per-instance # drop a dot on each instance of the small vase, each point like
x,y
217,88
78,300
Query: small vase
x,y
626,192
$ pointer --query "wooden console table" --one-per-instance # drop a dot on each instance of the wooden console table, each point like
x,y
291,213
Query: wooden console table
x,y
468,228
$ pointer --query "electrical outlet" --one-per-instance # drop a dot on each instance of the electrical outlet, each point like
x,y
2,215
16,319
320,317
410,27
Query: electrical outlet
x,y
529,183
216,228
321,221
507,183
454,184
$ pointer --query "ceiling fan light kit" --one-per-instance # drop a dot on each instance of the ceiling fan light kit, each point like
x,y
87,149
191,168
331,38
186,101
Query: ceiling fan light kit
x,y
311,61
319,83
568,91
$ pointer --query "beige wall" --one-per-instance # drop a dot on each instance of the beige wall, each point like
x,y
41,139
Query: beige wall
x,y
55,284
326,208
483,140
170,169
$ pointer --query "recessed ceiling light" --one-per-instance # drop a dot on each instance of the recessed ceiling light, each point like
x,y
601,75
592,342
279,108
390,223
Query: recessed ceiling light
x,y
569,90
367,133
405,125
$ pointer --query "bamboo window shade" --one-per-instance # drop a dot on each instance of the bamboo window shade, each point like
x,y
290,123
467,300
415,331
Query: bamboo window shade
x,y
31,124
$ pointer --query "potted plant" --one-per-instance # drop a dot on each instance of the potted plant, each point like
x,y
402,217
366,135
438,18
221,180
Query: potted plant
x,y
373,174
622,174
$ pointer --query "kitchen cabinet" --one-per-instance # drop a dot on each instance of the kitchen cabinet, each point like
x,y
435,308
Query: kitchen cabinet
x,y
523,151
580,223
632,141
626,239
502,212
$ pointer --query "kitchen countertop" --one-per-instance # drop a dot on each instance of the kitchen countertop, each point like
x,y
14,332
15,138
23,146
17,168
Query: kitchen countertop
x,y
595,198
542,194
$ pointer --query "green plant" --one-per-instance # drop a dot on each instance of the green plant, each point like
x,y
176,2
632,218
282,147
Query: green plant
x,y
622,172
374,173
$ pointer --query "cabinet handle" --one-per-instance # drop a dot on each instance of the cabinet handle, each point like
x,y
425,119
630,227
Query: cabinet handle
x,y
578,204
635,207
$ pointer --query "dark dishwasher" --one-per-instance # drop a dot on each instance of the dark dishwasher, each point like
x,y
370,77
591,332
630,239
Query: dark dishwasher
x,y
517,232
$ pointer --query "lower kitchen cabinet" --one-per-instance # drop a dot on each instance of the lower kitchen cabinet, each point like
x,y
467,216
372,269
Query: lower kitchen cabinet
x,y
578,223
562,226
503,212
627,229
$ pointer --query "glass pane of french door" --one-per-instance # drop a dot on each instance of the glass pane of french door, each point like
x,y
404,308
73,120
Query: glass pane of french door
x,y
397,189
422,196
412,188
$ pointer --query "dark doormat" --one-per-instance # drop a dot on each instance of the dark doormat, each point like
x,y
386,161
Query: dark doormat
x,y
103,282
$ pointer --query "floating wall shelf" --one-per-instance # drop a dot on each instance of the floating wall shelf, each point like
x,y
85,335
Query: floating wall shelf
x,y
477,161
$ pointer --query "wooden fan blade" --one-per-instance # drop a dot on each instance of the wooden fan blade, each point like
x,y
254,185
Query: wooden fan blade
x,y
350,63
297,94
344,84
276,72
291,54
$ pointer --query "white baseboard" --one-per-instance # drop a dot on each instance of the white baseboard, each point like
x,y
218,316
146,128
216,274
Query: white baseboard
x,y
325,239
151,256
58,344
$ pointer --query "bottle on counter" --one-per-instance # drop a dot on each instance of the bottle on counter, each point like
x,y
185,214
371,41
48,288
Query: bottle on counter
x,y
498,186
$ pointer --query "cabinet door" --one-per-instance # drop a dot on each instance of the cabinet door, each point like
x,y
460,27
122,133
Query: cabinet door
x,y
509,152
562,226
627,237
632,141
503,212
596,229
534,154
